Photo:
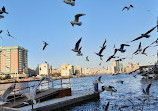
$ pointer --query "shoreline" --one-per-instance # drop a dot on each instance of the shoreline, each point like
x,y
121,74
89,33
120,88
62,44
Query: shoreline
x,y
38,79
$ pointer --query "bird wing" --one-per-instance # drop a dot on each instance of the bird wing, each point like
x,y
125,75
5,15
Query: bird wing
x,y
137,38
8,91
145,48
122,46
150,30
147,89
100,52
78,43
44,46
124,8
107,106
115,51
139,45
104,43
77,17
99,79
80,48
3,9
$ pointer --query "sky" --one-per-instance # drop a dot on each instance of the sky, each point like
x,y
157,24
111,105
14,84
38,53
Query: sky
x,y
34,21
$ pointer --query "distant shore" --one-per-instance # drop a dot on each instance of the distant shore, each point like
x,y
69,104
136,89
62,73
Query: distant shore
x,y
37,79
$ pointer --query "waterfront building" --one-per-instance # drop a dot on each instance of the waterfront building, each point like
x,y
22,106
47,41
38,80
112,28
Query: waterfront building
x,y
67,70
14,61
94,71
78,70
44,69
131,67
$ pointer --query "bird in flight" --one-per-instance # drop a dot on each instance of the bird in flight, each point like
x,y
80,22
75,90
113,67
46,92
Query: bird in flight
x,y
99,79
100,52
122,50
70,2
76,49
113,56
146,35
143,52
76,21
121,59
45,44
147,92
3,10
1,16
8,33
131,6
0,33
138,50
156,41
87,58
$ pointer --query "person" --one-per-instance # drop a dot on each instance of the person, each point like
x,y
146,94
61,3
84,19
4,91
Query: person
x,y
95,84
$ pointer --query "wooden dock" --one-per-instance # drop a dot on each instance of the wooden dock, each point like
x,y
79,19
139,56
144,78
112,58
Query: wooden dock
x,y
59,103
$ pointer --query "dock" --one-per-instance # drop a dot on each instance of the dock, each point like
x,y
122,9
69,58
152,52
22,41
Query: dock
x,y
59,103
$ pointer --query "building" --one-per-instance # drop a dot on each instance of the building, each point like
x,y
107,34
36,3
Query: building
x,y
131,67
14,61
44,69
118,67
78,70
67,70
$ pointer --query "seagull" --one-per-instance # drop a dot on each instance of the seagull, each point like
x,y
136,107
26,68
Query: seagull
x,y
143,52
100,64
122,50
100,52
144,35
3,10
109,88
147,92
4,96
76,49
127,7
79,52
0,33
10,35
45,44
87,58
120,59
70,2
104,44
76,21
138,50
32,94
106,107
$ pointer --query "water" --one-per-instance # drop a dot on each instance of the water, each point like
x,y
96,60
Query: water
x,y
126,95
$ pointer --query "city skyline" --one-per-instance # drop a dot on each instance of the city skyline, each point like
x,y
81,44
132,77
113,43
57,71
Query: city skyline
x,y
32,25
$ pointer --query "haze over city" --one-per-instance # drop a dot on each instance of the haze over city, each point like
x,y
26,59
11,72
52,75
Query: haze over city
x,y
32,22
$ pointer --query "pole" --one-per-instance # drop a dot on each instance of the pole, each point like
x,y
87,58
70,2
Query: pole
x,y
32,104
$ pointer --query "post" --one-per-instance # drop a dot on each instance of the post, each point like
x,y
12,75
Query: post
x,y
32,104
61,83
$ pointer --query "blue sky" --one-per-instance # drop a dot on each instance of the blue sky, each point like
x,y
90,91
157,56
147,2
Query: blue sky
x,y
34,21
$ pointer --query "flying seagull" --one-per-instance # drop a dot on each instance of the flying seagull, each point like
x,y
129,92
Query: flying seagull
x,y
110,58
76,49
144,35
3,10
4,96
69,2
87,58
122,50
156,41
0,33
127,7
106,107
138,50
8,33
100,52
143,52
147,92
100,64
1,16
104,44
76,21
120,59
79,52
45,44
99,79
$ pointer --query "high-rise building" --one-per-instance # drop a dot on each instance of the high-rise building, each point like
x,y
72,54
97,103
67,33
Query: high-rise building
x,y
13,60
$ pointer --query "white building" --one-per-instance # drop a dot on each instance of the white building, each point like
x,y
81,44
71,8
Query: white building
x,y
44,69
67,70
